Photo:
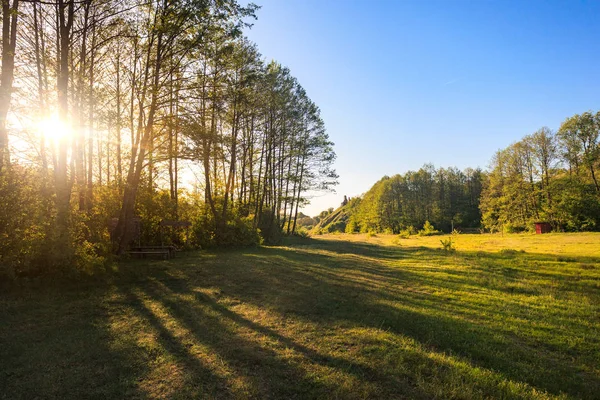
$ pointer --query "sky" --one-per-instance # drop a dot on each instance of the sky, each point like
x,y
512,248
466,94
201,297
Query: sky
x,y
404,83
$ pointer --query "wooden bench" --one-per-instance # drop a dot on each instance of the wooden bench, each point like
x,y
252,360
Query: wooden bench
x,y
142,251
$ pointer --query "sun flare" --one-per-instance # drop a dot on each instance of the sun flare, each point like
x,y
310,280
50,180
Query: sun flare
x,y
53,129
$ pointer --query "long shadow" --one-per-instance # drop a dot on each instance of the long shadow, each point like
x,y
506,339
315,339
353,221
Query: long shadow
x,y
60,345
64,346
388,385
488,263
275,378
302,285
206,382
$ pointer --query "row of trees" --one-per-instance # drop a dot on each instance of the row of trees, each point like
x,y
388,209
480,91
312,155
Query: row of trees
x,y
104,103
547,176
446,197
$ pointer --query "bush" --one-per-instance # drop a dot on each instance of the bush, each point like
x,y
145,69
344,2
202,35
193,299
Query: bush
x,y
510,228
352,227
339,226
268,228
236,231
406,233
32,244
303,233
447,244
428,230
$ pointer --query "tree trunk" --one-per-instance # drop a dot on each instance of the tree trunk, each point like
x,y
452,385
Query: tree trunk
x,y
122,230
63,190
9,41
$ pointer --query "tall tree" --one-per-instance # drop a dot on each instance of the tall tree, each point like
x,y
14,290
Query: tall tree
x,y
10,15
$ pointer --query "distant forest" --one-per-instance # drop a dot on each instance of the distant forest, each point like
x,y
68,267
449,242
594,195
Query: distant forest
x,y
545,177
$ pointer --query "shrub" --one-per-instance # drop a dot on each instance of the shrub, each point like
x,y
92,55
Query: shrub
x,y
447,244
338,226
407,232
237,231
403,235
269,230
32,244
351,227
511,228
303,233
428,230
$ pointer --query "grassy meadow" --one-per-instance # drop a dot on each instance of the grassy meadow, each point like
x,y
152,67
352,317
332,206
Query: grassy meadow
x,y
336,316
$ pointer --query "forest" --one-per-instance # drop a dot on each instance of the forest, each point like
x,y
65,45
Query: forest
x,y
109,108
116,116
547,176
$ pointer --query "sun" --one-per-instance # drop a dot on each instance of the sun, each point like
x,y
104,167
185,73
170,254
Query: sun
x,y
53,129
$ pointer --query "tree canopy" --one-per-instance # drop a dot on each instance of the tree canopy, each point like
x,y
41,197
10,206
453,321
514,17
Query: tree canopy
x,y
120,111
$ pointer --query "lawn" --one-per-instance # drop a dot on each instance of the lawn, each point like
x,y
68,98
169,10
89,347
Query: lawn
x,y
339,316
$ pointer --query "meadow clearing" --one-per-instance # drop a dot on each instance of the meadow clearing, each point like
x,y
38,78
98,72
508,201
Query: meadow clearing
x,y
334,316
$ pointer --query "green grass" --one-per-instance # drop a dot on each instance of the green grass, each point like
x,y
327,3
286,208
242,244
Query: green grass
x,y
341,316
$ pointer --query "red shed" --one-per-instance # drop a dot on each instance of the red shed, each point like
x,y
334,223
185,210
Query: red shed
x,y
542,227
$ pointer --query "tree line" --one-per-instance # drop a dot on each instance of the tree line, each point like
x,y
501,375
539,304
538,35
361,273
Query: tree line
x,y
547,176
446,197
105,104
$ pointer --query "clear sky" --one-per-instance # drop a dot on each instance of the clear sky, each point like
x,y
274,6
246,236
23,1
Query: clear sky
x,y
403,83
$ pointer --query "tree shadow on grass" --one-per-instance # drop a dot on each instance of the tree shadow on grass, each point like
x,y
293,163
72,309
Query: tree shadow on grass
x,y
260,362
60,345
176,328
255,352
324,289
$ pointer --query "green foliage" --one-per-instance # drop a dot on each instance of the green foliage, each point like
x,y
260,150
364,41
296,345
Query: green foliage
x,y
428,230
236,231
351,227
440,196
546,177
339,226
269,230
338,221
303,233
304,221
447,244
31,243
407,232
152,207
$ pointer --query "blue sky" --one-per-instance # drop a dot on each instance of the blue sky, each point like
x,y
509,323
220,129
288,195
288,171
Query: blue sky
x,y
403,83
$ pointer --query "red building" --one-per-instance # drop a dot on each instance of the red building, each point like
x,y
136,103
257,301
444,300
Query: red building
x,y
542,227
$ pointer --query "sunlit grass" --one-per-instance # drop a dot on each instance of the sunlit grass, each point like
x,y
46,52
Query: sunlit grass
x,y
343,316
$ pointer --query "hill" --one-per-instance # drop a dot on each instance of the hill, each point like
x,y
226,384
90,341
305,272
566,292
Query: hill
x,y
446,197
